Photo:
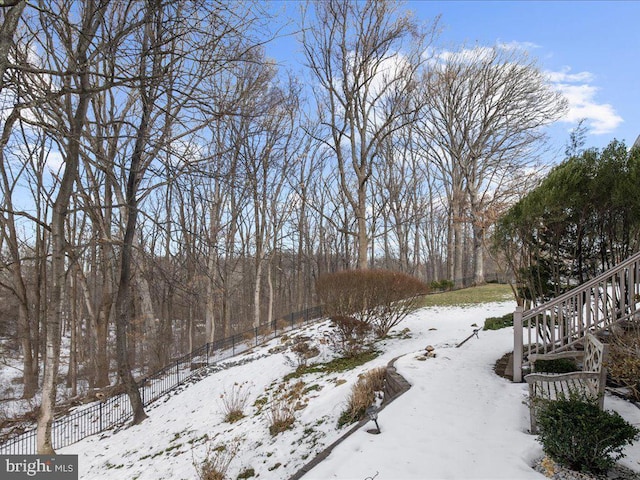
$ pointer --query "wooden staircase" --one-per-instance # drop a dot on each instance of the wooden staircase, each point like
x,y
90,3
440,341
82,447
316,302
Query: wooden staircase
x,y
596,306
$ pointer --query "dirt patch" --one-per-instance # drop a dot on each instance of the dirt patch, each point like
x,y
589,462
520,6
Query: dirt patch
x,y
501,366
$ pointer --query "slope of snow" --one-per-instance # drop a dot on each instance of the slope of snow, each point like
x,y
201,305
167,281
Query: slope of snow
x,y
459,420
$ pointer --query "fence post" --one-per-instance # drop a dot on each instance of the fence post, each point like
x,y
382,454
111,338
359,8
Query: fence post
x,y
517,344
142,391
100,414
255,329
178,372
208,353
233,344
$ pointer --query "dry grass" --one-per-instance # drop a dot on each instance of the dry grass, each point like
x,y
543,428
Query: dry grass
x,y
234,402
624,361
280,416
217,460
363,395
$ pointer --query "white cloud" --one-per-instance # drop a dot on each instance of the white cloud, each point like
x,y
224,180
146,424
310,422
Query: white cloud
x,y
565,76
517,46
579,91
55,162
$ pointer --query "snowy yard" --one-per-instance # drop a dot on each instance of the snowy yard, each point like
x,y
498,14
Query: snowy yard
x,y
459,420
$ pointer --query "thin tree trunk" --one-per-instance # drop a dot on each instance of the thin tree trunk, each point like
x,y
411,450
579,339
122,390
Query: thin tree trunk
x,y
124,285
30,377
478,255
59,245
256,293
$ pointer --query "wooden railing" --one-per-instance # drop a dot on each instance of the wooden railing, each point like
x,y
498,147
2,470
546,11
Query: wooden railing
x,y
611,297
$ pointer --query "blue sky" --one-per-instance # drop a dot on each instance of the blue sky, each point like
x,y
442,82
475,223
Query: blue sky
x,y
590,48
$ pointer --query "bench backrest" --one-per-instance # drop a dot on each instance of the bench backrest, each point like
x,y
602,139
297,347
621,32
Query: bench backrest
x,y
594,354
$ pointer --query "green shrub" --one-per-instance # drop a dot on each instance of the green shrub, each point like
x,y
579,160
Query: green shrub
x,y
446,284
379,298
496,323
443,285
558,365
337,365
577,434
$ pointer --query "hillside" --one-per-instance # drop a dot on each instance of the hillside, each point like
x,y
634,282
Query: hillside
x,y
459,420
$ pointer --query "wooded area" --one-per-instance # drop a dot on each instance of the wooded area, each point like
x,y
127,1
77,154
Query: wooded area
x,y
164,183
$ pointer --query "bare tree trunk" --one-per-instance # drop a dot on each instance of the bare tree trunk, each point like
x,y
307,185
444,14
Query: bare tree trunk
x,y
8,28
270,290
348,46
12,15
256,292
90,24
123,299
30,378
478,255
72,373
363,231
458,248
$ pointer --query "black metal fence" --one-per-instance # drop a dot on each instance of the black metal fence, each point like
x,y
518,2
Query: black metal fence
x,y
114,411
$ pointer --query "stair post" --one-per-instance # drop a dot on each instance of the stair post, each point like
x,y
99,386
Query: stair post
x,y
517,344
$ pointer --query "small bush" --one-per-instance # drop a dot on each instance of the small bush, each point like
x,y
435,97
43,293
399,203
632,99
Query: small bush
x,y
217,460
442,285
624,361
577,434
558,365
362,396
352,336
496,323
379,298
234,403
304,351
280,416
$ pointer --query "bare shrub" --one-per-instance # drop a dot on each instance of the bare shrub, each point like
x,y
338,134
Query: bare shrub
x,y
379,298
234,402
624,361
363,395
304,352
280,416
217,460
352,336
281,412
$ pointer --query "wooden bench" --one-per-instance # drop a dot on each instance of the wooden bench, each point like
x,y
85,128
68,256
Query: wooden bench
x,y
590,381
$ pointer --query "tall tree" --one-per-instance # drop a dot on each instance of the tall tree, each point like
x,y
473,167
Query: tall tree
x,y
78,44
486,111
364,56
580,220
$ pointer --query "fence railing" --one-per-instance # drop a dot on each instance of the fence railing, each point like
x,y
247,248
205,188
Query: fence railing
x,y
559,324
114,411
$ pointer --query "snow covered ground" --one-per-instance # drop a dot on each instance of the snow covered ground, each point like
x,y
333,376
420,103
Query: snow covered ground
x,y
458,421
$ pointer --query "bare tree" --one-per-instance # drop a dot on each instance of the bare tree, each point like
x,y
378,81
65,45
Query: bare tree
x,y
79,46
487,109
364,56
